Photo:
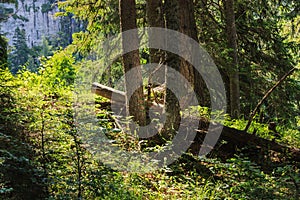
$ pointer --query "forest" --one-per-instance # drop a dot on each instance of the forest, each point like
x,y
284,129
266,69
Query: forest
x,y
151,99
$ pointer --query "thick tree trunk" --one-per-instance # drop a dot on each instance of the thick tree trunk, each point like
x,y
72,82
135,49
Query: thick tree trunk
x,y
173,61
189,28
135,105
233,69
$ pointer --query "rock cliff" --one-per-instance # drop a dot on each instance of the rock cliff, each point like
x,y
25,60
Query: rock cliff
x,y
36,17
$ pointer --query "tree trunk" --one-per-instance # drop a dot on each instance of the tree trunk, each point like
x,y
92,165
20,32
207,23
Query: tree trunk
x,y
135,105
189,28
233,69
173,61
155,19
235,139
108,92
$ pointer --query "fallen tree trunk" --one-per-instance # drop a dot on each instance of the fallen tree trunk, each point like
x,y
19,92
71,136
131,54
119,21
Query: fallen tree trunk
x,y
108,92
235,139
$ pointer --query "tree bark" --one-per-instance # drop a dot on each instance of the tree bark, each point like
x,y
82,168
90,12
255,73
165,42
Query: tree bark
x,y
233,69
135,105
155,19
107,92
189,28
172,107
236,139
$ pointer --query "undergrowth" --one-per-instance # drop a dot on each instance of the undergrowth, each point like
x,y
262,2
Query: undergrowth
x,y
61,165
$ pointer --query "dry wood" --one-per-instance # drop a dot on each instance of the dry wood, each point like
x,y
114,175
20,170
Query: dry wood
x,y
108,92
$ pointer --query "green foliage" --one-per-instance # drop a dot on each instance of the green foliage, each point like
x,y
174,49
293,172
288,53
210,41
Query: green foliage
x,y
20,178
43,108
5,12
59,70
46,7
265,53
42,157
3,52
245,180
20,54
20,17
101,17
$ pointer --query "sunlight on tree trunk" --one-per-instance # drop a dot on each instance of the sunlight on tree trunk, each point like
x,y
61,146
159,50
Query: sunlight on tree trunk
x,y
135,105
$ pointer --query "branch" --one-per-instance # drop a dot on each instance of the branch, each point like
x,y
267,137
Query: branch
x,y
266,96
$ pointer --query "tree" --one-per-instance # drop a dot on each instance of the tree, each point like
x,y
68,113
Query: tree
x,y
155,19
187,25
3,53
189,28
21,51
233,69
267,56
264,54
135,104
100,18
172,106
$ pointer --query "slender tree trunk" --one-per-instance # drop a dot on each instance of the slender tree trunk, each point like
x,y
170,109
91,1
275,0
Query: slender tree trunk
x,y
233,69
155,19
173,61
189,28
135,105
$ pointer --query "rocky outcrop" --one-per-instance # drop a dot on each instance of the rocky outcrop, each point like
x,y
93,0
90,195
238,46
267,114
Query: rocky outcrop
x,y
36,17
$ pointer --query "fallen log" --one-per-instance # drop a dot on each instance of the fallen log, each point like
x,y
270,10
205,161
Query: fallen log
x,y
235,139
119,97
108,92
